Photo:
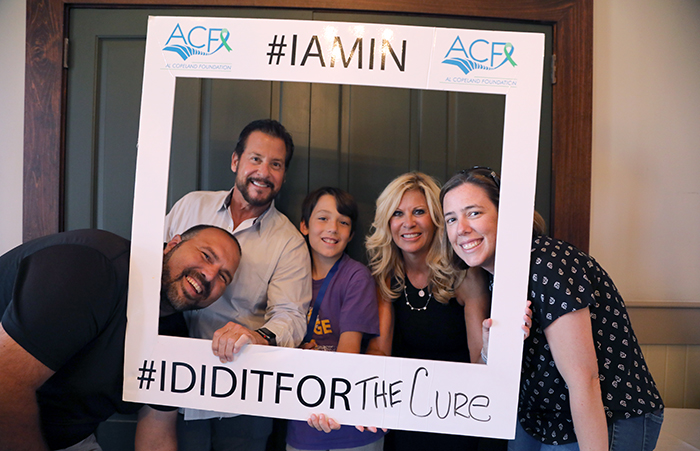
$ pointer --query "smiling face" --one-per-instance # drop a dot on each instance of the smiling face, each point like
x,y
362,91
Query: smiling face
x,y
329,232
196,271
260,168
412,228
471,221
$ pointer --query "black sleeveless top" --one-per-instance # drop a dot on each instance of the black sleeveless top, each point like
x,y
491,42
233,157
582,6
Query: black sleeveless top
x,y
430,331
437,332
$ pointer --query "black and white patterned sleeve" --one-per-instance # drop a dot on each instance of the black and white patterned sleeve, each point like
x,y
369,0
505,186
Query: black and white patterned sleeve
x,y
559,280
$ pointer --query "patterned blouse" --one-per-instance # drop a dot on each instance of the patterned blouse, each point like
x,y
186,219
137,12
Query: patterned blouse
x,y
564,279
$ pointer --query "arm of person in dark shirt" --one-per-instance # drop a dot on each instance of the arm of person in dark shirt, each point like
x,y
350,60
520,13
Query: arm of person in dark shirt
x,y
381,345
474,295
156,430
571,341
21,375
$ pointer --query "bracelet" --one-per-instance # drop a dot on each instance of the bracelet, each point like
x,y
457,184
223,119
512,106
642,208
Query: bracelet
x,y
483,356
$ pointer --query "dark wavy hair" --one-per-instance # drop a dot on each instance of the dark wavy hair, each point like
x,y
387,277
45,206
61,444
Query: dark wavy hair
x,y
271,128
344,203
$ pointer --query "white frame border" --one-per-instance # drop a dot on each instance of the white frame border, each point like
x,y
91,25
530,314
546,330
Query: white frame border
x,y
249,40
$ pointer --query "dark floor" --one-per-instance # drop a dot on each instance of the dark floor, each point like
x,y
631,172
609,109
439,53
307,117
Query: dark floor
x,y
117,434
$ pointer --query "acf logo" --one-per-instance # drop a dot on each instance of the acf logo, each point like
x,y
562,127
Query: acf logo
x,y
197,41
480,54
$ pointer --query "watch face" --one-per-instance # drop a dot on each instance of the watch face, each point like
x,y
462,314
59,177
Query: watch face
x,y
267,335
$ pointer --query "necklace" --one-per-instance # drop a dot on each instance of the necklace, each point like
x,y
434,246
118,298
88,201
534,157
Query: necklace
x,y
421,293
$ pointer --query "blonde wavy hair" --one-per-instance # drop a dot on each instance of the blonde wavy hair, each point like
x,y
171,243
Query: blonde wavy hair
x,y
385,258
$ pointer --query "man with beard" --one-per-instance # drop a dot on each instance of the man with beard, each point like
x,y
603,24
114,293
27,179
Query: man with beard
x,y
268,301
64,299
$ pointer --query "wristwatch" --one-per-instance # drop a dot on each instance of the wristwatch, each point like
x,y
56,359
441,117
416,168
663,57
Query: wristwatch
x,y
267,335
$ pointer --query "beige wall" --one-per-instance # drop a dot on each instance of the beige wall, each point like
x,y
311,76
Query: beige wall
x,y
645,212
12,18
645,226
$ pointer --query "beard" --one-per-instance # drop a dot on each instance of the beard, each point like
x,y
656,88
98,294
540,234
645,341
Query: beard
x,y
170,293
243,185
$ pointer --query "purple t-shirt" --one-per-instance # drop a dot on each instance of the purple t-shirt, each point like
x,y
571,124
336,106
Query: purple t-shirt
x,y
350,305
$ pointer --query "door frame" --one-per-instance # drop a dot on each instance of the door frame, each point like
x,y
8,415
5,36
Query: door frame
x,y
572,94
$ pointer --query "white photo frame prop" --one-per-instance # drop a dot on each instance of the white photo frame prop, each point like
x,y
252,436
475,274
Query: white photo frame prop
x,y
395,393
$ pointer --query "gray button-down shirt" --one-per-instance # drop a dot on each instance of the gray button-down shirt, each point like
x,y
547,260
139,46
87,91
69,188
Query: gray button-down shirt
x,y
272,286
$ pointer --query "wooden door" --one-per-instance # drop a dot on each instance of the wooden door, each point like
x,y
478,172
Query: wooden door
x,y
354,137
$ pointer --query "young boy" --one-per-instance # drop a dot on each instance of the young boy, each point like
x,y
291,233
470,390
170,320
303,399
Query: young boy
x,y
346,310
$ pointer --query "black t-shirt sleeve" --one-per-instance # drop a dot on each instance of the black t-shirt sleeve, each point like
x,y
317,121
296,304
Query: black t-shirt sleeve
x,y
173,325
63,297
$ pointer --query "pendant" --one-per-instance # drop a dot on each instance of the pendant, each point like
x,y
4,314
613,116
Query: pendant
x,y
421,293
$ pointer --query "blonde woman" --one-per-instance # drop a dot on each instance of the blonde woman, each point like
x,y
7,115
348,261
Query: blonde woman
x,y
420,314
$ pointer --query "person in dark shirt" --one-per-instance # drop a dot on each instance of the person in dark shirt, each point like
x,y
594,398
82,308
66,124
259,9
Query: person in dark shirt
x,y
63,303
584,382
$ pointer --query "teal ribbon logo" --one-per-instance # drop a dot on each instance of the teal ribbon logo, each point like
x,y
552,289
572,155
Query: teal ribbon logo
x,y
228,48
508,50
